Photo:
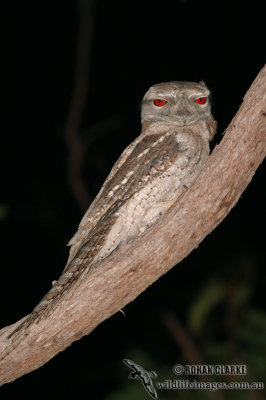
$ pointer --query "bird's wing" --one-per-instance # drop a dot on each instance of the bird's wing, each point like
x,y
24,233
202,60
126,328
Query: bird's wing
x,y
130,364
95,210
150,389
146,158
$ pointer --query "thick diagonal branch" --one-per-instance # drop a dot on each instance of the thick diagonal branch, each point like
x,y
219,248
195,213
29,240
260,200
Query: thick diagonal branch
x,y
130,270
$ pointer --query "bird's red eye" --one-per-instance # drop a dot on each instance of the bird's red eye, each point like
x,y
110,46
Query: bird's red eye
x,y
201,100
159,102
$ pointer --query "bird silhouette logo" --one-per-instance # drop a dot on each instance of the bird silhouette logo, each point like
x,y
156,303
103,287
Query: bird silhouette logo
x,y
142,375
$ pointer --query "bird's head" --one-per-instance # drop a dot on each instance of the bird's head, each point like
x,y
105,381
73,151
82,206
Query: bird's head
x,y
180,103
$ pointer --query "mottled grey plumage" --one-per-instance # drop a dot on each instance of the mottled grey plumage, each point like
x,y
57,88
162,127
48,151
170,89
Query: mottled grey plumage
x,y
150,175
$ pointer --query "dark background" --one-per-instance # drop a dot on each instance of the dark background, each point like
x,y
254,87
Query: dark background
x,y
217,294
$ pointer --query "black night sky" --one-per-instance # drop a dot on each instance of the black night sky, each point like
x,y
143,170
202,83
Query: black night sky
x,y
132,46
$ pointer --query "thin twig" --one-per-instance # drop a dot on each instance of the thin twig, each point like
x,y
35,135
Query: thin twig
x,y
188,348
77,104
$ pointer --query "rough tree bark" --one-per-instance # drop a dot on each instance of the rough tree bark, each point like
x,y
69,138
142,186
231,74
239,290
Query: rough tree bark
x,y
120,278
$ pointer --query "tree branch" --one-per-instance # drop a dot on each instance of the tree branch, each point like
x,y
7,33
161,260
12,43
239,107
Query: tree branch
x,y
131,269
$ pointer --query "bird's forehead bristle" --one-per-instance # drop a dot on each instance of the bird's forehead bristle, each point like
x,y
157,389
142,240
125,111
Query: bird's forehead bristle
x,y
175,87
